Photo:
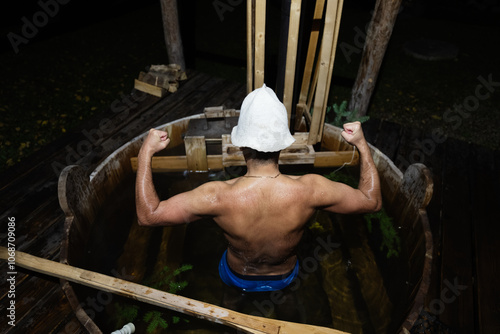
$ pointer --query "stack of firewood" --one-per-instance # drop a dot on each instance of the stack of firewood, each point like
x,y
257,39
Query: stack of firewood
x,y
160,79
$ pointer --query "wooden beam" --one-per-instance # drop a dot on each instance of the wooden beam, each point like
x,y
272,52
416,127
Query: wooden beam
x,y
309,86
291,56
321,95
196,153
298,153
311,52
165,164
338,15
150,89
260,42
250,44
178,163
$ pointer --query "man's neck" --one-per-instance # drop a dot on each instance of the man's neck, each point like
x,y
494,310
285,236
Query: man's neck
x,y
258,170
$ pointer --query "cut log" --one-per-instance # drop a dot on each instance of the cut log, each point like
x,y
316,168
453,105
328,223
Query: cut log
x,y
172,33
377,38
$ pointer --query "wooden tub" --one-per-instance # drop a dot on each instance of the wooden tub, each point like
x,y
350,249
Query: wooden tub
x,y
405,197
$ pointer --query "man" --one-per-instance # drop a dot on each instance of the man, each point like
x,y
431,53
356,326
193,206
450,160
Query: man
x,y
262,213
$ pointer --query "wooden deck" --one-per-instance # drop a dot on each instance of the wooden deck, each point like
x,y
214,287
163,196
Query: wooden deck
x,y
464,293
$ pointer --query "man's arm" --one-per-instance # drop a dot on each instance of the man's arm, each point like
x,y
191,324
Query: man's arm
x,y
182,208
367,198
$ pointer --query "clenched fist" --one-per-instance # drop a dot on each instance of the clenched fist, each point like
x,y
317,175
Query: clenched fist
x,y
155,141
353,133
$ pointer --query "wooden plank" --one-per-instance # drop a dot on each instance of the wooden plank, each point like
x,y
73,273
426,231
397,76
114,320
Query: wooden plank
x,y
260,43
485,191
311,52
291,56
150,89
308,86
163,164
250,43
324,66
196,153
338,14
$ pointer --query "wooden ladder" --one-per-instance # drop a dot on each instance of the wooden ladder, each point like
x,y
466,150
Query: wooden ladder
x,y
319,62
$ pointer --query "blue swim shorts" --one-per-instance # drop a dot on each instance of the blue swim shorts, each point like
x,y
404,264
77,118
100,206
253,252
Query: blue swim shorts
x,y
251,283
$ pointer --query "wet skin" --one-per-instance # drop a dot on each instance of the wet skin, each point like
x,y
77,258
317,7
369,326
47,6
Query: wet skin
x,y
262,215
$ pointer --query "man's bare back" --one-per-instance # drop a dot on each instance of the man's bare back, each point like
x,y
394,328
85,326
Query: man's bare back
x,y
263,220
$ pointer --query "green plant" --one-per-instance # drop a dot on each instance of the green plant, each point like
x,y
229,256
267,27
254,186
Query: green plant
x,y
125,313
390,237
341,115
154,319
164,280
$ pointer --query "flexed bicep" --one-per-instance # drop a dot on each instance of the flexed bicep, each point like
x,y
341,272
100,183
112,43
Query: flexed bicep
x,y
340,198
185,207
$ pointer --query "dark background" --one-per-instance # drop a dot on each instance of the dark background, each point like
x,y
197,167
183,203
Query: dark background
x,y
89,53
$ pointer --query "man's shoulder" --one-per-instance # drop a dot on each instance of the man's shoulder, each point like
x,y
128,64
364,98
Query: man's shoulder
x,y
307,178
215,185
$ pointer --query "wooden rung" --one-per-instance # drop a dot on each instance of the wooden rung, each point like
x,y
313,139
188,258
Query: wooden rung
x,y
298,153
165,164
178,163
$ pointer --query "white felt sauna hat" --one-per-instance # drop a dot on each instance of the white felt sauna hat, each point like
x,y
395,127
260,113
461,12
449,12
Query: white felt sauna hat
x,y
263,122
